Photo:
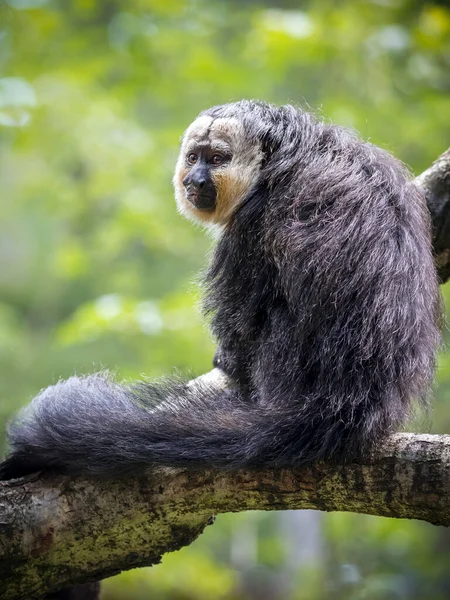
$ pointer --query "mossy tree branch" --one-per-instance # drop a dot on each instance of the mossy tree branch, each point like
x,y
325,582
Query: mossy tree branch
x,y
56,530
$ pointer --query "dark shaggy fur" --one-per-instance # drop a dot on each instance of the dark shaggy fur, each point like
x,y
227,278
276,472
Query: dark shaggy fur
x,y
325,303
324,300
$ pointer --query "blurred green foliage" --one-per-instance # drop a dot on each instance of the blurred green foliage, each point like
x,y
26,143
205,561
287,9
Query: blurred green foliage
x,y
98,271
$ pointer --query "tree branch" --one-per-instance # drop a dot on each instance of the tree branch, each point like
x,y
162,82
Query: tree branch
x,y
56,531
435,183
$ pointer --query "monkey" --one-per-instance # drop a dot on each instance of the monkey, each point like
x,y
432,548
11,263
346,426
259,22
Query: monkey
x,y
322,295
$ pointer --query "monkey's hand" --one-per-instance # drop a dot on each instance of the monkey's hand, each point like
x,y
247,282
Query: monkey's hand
x,y
233,364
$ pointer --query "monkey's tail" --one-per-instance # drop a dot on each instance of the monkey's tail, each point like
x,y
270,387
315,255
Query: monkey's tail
x,y
93,425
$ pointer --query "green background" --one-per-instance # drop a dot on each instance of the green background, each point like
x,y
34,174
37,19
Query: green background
x,y
97,270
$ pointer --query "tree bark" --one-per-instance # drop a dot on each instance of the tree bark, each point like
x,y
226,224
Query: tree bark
x,y
56,531
435,183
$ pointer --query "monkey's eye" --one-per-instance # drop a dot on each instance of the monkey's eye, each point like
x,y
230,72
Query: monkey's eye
x,y
217,160
192,158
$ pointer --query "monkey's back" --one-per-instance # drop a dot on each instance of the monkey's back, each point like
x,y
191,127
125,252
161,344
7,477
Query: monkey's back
x,y
324,286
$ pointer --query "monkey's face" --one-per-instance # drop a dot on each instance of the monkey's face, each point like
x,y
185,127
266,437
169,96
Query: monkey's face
x,y
216,169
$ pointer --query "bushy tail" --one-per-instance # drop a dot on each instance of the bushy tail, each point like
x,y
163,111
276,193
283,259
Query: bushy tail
x,y
94,425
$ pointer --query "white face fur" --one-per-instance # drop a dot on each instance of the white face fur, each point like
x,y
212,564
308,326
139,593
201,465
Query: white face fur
x,y
232,180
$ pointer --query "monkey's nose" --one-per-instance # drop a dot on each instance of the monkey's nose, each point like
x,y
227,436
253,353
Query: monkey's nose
x,y
191,182
199,183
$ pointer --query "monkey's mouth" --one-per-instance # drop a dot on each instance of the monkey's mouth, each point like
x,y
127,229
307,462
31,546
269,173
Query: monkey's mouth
x,y
204,200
